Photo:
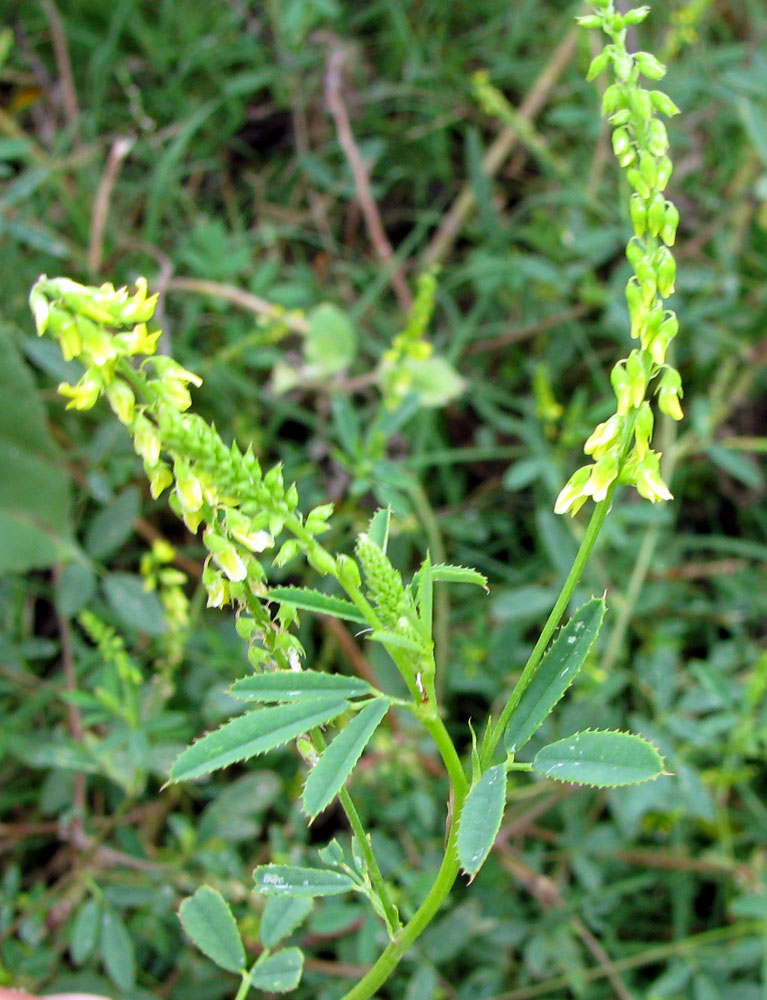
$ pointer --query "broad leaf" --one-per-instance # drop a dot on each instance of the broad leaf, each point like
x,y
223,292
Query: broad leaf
x,y
208,921
287,685
555,674
254,733
480,819
85,931
117,951
601,758
314,600
442,573
284,880
35,523
281,916
279,972
337,762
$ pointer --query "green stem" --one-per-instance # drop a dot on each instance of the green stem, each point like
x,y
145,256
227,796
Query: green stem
x,y
244,989
592,532
423,916
391,914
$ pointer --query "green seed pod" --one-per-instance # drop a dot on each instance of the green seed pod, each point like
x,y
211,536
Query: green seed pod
x,y
657,142
670,223
648,167
663,103
663,172
649,66
638,183
638,211
665,269
656,213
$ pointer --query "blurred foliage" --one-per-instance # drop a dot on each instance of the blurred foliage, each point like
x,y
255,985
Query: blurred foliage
x,y
202,149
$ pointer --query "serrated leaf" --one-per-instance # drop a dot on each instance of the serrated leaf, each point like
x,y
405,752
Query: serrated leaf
x,y
281,916
442,573
314,600
287,685
209,922
279,972
338,761
117,951
254,733
557,671
378,529
285,880
601,758
85,931
480,819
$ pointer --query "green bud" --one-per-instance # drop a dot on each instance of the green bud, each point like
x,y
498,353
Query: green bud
x,y
226,556
635,252
291,496
612,99
598,64
648,167
636,377
122,400
188,488
637,308
316,519
321,560
245,626
620,117
656,213
84,394
670,223
669,393
348,572
643,428
217,588
572,495
653,320
146,440
289,550
623,64
663,172
40,306
641,104
665,269
648,281
159,476
638,211
636,16
665,334
657,141
621,388
649,483
603,474
590,21
622,146
663,103
649,66
604,436
638,183
273,482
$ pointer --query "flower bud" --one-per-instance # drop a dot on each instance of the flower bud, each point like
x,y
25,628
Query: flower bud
x,y
572,493
649,483
649,66
159,477
643,428
648,167
288,550
621,387
670,223
146,439
322,561
665,269
604,436
636,15
663,172
656,213
638,211
41,308
348,571
188,488
83,395
648,281
226,556
637,308
635,252
663,103
122,400
598,64
638,183
602,475
636,375
641,104
669,392
621,141
612,99
657,141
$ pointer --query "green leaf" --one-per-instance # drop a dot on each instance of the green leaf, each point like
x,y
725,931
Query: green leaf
x,y
601,758
75,586
338,761
117,951
331,341
284,880
279,972
35,523
434,379
254,733
442,573
209,922
557,671
392,639
314,600
113,524
378,529
136,607
287,685
281,916
85,931
480,819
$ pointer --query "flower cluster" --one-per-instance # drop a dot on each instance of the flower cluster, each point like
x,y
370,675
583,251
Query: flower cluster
x,y
219,487
620,447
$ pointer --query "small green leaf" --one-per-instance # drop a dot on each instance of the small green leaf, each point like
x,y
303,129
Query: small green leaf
x,y
338,761
601,758
113,524
85,931
378,529
279,972
209,922
287,685
254,733
75,587
480,819
281,916
314,600
117,951
434,379
442,573
330,342
392,639
284,880
136,607
557,671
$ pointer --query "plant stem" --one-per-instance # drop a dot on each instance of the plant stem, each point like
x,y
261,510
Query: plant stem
x,y
244,989
582,555
423,916
391,914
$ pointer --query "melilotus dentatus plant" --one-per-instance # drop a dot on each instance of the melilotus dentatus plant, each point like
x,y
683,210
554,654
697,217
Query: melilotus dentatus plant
x,y
250,520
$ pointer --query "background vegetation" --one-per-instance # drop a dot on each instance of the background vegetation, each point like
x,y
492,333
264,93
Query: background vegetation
x,y
216,143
